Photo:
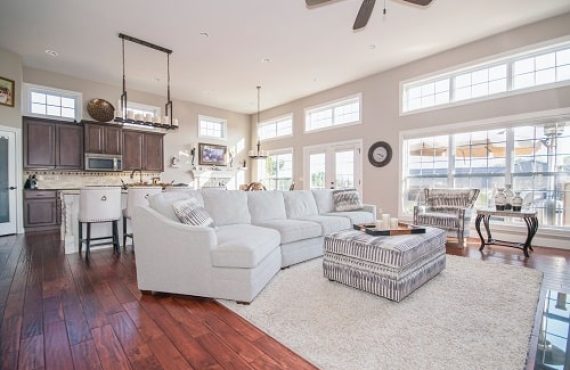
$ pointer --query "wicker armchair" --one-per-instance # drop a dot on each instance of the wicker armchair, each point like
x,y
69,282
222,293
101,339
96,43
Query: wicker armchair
x,y
449,209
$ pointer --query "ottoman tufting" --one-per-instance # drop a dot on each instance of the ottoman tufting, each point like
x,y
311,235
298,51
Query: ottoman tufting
x,y
388,266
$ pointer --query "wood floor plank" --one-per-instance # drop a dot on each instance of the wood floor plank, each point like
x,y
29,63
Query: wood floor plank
x,y
85,356
109,349
167,354
57,347
31,353
146,325
134,345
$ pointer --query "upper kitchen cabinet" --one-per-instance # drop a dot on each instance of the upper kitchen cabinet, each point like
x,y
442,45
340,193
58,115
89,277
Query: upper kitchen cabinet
x,y
143,150
103,139
154,153
50,144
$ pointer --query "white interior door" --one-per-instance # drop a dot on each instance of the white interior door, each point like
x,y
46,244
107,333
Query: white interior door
x,y
7,183
334,166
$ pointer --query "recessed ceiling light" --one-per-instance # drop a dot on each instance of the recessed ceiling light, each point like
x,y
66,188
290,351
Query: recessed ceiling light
x,y
265,60
51,53
204,34
372,46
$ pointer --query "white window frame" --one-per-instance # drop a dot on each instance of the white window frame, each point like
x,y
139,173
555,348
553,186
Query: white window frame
x,y
275,121
331,105
28,88
261,163
487,124
139,106
508,57
223,121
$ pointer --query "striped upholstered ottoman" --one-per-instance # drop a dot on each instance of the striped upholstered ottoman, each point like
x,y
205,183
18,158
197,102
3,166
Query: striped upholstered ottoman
x,y
388,266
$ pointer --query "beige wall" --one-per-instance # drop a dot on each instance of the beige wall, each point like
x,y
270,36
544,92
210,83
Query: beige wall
x,y
381,118
175,142
11,68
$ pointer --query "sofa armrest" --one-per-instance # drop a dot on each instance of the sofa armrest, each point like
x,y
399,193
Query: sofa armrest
x,y
370,208
171,255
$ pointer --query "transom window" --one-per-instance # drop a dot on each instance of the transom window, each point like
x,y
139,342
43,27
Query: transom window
x,y
44,101
342,112
534,158
276,171
506,75
278,127
211,127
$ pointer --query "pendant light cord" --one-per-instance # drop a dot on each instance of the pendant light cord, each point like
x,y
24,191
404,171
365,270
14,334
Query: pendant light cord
x,y
124,94
258,114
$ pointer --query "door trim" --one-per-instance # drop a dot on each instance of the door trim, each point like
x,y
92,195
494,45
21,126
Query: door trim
x,y
19,177
356,142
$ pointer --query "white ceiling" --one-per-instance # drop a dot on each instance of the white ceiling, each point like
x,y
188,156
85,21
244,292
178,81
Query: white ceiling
x,y
310,49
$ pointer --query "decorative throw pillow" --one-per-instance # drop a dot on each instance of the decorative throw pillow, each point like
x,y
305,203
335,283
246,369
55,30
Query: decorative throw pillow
x,y
190,212
346,200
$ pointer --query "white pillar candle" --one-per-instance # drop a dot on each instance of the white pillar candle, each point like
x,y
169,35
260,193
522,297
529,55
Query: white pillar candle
x,y
393,223
175,121
385,221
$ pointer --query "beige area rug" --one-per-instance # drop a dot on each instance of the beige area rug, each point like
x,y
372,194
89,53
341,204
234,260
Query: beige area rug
x,y
473,315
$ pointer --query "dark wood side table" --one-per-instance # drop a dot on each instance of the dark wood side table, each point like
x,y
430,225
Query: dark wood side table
x,y
529,217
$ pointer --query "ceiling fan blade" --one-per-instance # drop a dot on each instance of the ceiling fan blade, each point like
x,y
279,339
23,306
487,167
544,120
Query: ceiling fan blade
x,y
363,14
315,2
419,2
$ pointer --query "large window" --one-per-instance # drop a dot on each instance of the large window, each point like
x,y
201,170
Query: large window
x,y
499,76
276,171
41,101
275,128
211,127
342,112
534,158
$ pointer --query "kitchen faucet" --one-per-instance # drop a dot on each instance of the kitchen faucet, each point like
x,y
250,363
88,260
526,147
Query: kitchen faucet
x,y
140,174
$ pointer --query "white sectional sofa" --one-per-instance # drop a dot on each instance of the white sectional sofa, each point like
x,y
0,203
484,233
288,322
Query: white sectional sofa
x,y
255,235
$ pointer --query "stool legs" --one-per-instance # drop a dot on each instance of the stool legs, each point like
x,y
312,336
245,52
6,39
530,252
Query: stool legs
x,y
124,232
116,237
80,236
88,241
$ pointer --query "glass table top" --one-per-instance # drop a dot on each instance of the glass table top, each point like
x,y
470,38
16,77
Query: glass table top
x,y
553,350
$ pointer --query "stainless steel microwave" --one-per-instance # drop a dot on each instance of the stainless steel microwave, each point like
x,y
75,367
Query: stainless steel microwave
x,y
103,162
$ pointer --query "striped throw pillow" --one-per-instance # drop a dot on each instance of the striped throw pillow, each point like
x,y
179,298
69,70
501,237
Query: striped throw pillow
x,y
190,212
346,200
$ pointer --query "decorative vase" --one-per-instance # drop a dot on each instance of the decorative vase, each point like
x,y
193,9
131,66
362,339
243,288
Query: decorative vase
x,y
517,202
500,199
509,195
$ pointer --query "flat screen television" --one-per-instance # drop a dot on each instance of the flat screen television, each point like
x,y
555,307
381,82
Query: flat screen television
x,y
212,155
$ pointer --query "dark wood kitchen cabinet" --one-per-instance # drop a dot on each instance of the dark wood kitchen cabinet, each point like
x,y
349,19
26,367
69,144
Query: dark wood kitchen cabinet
x,y
103,139
51,144
154,152
143,150
41,210
133,142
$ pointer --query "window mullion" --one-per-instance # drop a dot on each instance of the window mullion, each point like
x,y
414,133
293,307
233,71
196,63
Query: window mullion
x,y
510,149
451,161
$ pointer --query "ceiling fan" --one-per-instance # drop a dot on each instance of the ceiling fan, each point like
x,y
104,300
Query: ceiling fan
x,y
366,10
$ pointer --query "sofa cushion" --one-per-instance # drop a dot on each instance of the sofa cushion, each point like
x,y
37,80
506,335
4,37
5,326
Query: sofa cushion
x,y
266,206
346,200
324,200
243,245
300,203
330,224
227,207
293,230
162,202
355,217
190,212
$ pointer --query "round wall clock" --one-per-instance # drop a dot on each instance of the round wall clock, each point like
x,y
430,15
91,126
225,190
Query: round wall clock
x,y
380,154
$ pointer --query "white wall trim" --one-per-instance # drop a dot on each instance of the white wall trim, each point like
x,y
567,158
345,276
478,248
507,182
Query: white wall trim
x,y
19,177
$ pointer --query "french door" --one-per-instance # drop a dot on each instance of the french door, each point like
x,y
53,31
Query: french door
x,y
333,166
7,182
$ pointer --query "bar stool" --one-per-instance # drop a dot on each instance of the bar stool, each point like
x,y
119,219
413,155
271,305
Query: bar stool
x,y
97,205
136,196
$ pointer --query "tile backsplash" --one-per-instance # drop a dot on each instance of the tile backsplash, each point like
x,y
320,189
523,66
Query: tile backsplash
x,y
76,180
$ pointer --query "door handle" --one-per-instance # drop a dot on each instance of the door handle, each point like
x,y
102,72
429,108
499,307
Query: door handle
x,y
12,188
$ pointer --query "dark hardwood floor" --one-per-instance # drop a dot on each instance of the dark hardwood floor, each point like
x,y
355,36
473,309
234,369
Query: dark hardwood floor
x,y
58,312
